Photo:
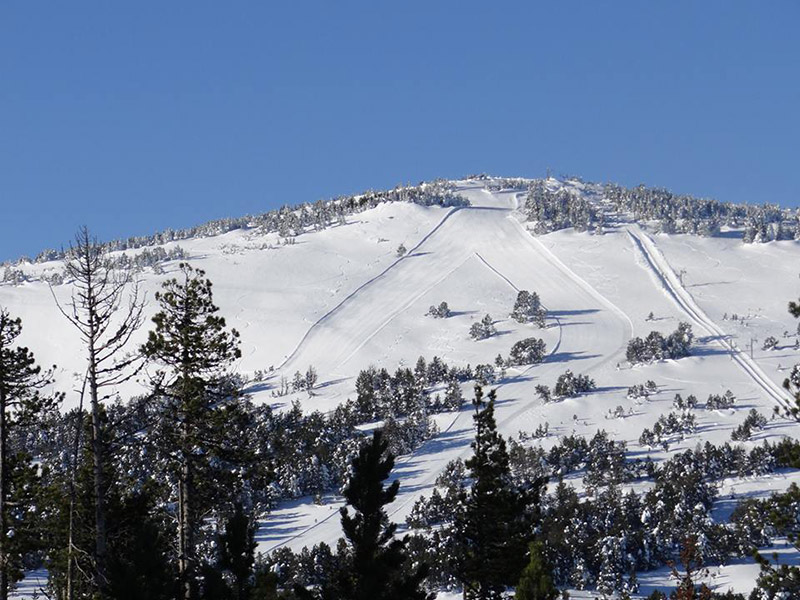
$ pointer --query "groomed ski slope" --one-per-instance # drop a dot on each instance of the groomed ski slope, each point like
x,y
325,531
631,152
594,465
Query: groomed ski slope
x,y
341,299
487,231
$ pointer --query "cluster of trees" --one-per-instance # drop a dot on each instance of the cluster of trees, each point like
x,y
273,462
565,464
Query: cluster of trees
x,y
552,210
558,207
721,402
528,308
656,347
152,258
158,497
491,537
687,214
642,391
602,539
480,330
668,428
568,385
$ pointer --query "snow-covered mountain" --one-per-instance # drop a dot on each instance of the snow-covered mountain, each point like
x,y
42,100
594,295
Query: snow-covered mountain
x,y
346,296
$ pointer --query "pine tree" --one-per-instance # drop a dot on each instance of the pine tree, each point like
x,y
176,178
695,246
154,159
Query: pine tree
x,y
21,403
374,567
195,349
536,582
497,520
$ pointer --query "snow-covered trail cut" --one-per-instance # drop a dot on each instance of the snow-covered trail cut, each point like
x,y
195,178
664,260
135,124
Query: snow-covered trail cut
x,y
675,290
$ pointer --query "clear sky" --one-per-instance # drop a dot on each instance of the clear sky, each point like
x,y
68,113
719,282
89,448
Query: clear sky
x,y
137,116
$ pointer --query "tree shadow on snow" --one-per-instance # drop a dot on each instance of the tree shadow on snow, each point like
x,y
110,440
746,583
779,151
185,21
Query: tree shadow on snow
x,y
568,356
568,313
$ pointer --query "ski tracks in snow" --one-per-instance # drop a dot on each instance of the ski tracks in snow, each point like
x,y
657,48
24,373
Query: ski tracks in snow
x,y
684,300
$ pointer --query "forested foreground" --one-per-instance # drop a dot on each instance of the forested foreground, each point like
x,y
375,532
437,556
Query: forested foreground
x,y
159,496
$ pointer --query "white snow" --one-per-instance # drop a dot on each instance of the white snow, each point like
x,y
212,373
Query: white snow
x,y
341,299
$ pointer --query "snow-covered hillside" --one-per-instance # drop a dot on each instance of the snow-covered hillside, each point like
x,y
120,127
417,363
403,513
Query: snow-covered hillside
x,y
342,299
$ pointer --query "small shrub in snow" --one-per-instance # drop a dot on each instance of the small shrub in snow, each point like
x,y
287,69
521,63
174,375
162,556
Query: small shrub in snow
x,y
543,392
754,420
717,402
527,352
439,312
401,251
617,413
482,329
771,343
688,403
656,347
569,385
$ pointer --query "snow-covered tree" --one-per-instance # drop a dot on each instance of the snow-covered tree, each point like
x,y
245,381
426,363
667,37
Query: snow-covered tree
x,y
527,352
482,329
528,307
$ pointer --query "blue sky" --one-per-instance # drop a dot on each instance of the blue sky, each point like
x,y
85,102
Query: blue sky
x,y
134,117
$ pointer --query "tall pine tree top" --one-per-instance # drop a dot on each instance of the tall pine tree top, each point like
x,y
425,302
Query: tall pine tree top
x,y
189,336
374,567
497,520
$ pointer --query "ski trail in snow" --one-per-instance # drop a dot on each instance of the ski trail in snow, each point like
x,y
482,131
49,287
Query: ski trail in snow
x,y
397,311
364,285
684,300
574,276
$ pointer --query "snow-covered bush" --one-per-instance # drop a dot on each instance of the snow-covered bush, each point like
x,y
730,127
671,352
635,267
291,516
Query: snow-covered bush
x,y
569,385
723,402
482,329
527,352
527,308
439,312
656,347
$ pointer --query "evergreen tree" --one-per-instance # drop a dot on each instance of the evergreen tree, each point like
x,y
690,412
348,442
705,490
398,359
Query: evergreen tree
x,y
482,329
195,349
496,520
374,567
21,403
527,352
536,583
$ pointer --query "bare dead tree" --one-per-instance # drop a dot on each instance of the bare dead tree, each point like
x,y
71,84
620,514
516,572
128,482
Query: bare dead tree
x,y
106,309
